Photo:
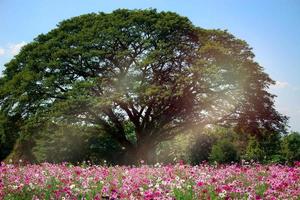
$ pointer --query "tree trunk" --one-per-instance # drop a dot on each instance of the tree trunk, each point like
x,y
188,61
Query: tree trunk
x,y
141,153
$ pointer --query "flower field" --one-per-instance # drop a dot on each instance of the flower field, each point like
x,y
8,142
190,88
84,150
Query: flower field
x,y
63,181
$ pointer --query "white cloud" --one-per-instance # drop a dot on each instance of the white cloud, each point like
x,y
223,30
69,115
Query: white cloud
x,y
14,49
2,51
280,85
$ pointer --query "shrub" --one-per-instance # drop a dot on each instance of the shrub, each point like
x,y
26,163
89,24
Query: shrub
x,y
74,144
67,142
201,149
291,147
223,152
173,150
277,158
270,145
254,151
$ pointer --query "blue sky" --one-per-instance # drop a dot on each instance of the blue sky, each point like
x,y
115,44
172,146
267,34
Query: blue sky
x,y
271,27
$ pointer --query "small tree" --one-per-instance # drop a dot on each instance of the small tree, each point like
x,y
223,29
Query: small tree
x,y
223,152
202,148
291,147
254,151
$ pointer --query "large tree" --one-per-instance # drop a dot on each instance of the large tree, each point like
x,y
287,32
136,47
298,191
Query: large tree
x,y
140,76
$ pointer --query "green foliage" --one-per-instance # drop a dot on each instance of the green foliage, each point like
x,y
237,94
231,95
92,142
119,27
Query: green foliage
x,y
261,189
174,150
75,144
105,150
291,147
201,144
140,76
8,135
271,147
185,193
68,143
270,143
254,151
276,158
129,130
201,149
223,152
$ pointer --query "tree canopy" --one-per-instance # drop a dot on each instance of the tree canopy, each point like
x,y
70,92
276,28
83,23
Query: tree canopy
x,y
140,76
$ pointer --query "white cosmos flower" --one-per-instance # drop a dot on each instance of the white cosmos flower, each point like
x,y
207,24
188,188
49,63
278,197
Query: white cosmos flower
x,y
72,186
31,186
222,194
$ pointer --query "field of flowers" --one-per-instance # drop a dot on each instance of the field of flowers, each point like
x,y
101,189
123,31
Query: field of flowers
x,y
64,181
